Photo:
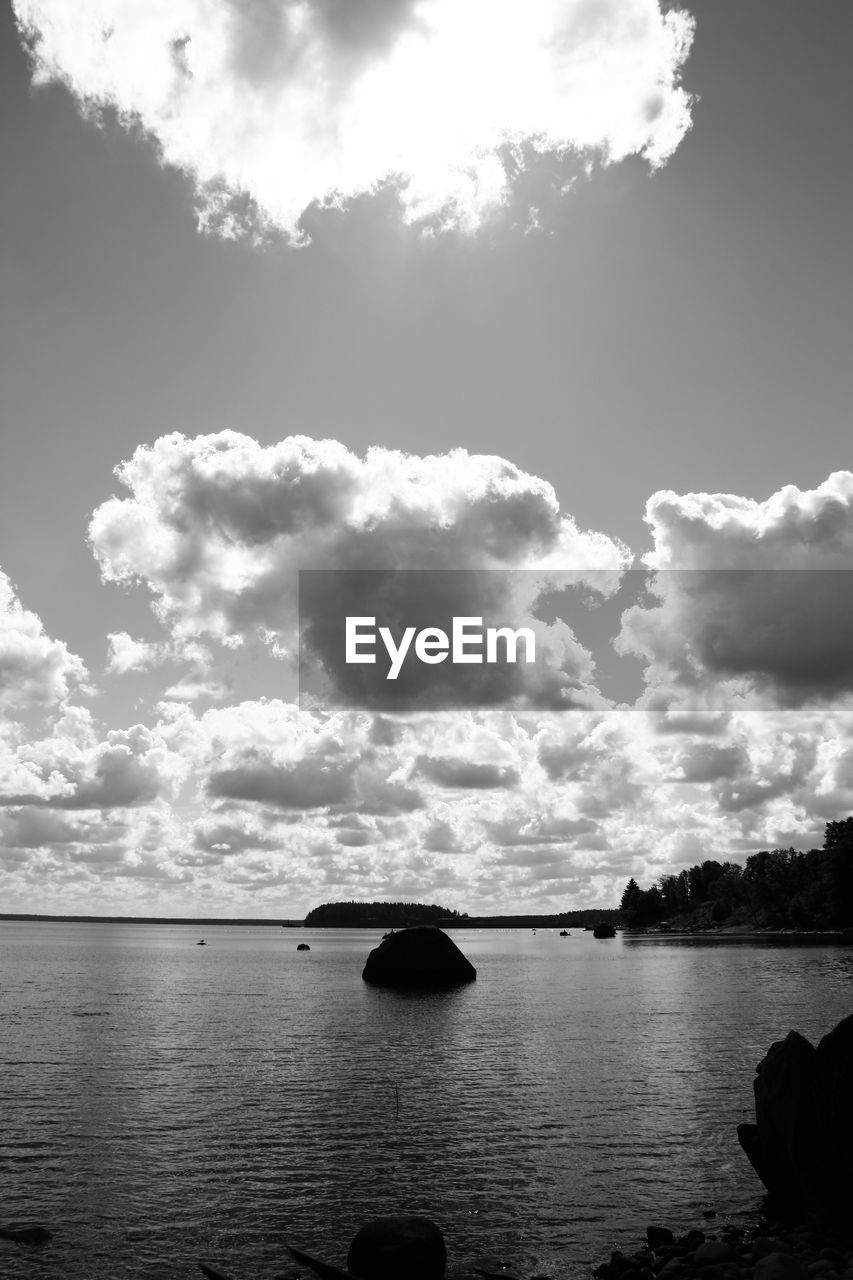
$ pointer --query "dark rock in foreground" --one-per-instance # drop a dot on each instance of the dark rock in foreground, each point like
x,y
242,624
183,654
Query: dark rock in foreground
x,y
303,946
391,1247
396,1247
604,931
419,959
759,1251
801,1145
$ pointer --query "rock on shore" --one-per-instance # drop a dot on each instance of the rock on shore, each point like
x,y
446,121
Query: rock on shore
x,y
801,1145
768,1251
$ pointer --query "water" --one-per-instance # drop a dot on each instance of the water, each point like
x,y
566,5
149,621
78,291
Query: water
x,y
162,1102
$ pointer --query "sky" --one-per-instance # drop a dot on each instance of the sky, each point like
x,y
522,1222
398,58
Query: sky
x,y
420,285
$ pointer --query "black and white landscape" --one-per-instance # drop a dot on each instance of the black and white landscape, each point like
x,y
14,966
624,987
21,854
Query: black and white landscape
x,y
535,314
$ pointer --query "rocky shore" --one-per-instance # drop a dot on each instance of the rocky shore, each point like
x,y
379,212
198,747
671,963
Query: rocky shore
x,y
766,1251
761,1250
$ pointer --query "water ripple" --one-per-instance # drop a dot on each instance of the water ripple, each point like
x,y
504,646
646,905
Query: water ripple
x,y
219,1108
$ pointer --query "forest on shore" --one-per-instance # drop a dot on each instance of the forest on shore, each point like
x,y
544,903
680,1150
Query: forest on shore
x,y
775,889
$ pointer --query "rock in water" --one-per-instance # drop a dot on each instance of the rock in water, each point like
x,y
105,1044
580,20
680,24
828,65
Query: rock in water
x,y
399,1246
25,1235
422,958
801,1145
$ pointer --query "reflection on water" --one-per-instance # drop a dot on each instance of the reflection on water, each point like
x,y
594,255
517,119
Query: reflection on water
x,y
163,1102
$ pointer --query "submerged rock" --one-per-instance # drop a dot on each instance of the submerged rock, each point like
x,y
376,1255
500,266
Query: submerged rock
x,y
421,958
801,1144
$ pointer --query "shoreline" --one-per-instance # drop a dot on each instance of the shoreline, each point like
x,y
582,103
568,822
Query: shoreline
x,y
768,1249
734,932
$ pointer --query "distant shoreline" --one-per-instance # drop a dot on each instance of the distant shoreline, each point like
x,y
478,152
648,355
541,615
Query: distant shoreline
x,y
722,933
32,918
474,922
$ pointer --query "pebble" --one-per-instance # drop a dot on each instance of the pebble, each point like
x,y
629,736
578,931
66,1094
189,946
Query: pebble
x,y
714,1252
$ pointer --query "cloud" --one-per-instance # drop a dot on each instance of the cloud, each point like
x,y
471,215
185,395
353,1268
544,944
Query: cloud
x,y
191,688
780,767
221,838
753,596
468,775
555,828
441,837
286,807
792,529
30,828
312,783
72,769
218,528
35,671
706,762
272,106
282,760
491,808
126,654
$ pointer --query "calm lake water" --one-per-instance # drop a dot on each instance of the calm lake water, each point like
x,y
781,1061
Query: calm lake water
x,y
163,1102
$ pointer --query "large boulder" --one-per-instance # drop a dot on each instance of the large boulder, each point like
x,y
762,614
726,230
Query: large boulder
x,y
801,1145
398,1246
422,958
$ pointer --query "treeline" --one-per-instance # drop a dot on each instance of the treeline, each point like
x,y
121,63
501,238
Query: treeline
x,y
396,915
779,888
585,919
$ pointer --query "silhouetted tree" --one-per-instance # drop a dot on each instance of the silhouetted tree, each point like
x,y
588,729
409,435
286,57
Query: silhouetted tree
x,y
641,907
631,901
838,843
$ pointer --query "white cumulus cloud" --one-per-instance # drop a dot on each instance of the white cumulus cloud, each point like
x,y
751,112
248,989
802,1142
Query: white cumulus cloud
x,y
219,526
756,596
35,671
271,106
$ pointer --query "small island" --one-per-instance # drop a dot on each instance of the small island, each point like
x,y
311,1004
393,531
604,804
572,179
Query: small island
x,y
404,915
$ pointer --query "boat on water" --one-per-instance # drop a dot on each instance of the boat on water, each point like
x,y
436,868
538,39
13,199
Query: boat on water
x,y
564,933
201,943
